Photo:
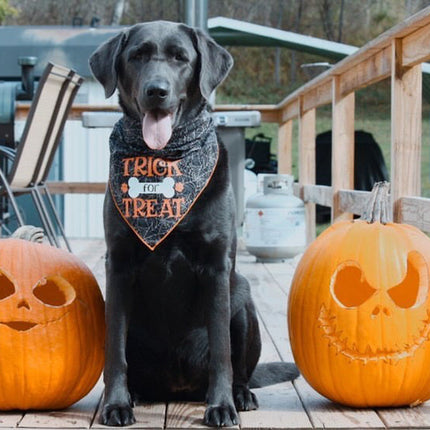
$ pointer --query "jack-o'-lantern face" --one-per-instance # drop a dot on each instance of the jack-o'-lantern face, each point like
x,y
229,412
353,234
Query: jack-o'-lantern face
x,y
359,314
51,327
359,310
45,302
388,308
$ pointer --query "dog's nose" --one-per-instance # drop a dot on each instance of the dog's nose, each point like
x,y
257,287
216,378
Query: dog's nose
x,y
157,90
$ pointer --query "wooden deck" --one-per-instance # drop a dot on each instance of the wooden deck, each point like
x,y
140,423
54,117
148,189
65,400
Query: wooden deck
x,y
283,406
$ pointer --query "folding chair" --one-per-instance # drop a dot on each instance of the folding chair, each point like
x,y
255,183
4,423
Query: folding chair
x,y
32,160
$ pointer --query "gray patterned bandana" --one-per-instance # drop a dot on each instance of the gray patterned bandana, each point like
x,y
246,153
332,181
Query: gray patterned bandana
x,y
154,190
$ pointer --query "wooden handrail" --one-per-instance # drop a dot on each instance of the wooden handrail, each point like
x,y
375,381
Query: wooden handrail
x,y
269,113
61,187
22,109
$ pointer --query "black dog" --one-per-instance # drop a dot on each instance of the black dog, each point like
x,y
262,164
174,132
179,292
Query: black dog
x,y
180,321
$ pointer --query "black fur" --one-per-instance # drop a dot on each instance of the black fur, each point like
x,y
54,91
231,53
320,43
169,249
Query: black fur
x,y
181,323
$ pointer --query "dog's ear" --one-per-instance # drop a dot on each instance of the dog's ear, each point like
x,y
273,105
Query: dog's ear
x,y
103,62
215,63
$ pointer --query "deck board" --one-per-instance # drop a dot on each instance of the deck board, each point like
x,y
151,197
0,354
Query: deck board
x,y
418,417
269,352
325,414
185,415
10,419
271,302
282,406
79,415
279,405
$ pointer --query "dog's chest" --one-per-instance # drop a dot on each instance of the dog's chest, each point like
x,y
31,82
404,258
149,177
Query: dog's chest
x,y
169,281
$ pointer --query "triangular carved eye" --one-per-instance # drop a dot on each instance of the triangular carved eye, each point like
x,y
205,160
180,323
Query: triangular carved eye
x,y
54,291
413,289
7,287
349,287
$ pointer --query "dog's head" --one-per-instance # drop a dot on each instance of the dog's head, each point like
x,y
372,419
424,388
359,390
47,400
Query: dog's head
x,y
164,72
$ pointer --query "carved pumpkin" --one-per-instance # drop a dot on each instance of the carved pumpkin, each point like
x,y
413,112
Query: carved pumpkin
x,y
51,327
359,312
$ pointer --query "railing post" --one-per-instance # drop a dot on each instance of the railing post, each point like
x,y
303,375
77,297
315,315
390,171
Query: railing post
x,y
307,163
285,147
342,153
406,111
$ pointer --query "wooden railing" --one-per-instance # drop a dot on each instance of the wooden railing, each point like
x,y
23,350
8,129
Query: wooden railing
x,y
396,54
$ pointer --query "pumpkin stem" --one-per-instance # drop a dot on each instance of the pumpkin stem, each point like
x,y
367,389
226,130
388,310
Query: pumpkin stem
x,y
29,232
378,208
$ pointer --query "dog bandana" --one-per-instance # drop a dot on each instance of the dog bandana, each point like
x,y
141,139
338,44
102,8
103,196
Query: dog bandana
x,y
153,190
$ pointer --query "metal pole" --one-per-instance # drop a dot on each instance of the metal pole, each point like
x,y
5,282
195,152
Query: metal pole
x,y
196,13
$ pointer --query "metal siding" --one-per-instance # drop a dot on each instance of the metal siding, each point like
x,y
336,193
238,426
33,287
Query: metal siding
x,y
75,169
86,159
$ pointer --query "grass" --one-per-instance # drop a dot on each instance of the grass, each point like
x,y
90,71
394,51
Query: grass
x,y
373,121
368,118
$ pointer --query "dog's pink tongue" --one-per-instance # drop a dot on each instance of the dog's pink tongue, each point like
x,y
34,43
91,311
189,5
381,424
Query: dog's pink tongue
x,y
156,129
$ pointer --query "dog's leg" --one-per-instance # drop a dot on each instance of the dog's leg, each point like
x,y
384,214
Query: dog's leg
x,y
117,406
246,347
220,410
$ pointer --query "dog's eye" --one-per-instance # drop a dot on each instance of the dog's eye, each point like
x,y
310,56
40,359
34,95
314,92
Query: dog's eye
x,y
180,56
142,52
135,55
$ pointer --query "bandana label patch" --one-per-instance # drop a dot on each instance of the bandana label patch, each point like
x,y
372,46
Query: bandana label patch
x,y
153,191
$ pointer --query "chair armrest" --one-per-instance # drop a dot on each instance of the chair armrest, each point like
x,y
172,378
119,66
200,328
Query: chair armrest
x,y
7,152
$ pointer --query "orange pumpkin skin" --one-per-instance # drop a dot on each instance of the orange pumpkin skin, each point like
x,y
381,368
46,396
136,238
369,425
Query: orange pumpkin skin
x,y
51,327
359,314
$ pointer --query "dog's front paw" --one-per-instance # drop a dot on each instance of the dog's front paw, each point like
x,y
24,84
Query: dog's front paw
x,y
221,416
244,399
116,415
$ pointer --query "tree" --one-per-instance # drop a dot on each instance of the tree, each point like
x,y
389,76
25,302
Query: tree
x,y
6,10
118,12
339,33
297,21
326,15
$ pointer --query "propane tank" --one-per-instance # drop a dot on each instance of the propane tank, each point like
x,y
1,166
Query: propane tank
x,y
251,185
275,220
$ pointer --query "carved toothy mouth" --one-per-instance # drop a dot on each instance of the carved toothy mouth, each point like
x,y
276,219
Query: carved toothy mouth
x,y
19,325
371,354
